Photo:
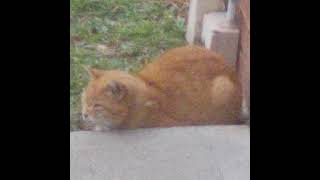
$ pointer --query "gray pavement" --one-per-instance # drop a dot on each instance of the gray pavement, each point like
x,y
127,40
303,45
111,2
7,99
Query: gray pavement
x,y
179,153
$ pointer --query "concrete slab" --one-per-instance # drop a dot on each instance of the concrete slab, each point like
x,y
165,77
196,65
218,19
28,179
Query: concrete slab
x,y
188,153
197,9
219,36
211,21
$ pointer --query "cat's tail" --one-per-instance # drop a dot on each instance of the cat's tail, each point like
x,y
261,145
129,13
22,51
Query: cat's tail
x,y
224,90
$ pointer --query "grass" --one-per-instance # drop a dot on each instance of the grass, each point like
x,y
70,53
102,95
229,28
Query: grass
x,y
118,34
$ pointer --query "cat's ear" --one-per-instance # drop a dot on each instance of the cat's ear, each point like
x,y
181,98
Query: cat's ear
x,y
93,72
116,89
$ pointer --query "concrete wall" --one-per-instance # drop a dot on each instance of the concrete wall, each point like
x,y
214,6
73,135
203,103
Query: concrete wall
x,y
197,9
243,18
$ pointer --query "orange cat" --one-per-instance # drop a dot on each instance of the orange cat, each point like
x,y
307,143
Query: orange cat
x,y
184,86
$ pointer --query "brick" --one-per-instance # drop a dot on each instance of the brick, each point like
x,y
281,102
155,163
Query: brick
x,y
243,17
245,7
244,40
244,72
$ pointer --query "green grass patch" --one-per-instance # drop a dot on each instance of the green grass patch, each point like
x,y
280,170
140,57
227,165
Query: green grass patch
x,y
117,34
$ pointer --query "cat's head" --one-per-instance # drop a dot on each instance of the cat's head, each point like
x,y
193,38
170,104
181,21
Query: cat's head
x,y
104,100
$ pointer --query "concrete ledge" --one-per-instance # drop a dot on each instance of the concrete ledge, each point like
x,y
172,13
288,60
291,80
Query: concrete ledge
x,y
218,36
189,153
197,9
211,21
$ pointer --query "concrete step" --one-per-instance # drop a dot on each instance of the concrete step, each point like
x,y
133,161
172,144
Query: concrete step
x,y
197,9
218,35
189,153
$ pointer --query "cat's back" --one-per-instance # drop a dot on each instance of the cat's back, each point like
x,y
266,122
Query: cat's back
x,y
184,65
187,76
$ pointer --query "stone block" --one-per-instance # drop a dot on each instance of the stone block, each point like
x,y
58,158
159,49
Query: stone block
x,y
197,9
219,36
